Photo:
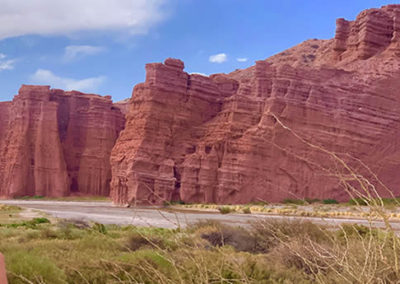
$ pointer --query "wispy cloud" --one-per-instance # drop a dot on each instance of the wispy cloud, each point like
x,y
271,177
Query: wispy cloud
x,y
218,58
46,77
78,51
65,17
242,59
6,64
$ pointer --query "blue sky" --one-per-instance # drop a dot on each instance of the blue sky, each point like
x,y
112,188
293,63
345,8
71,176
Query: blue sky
x,y
102,46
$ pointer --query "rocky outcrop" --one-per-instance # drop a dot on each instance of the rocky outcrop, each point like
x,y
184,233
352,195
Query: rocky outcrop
x,y
123,106
271,131
373,31
57,143
147,161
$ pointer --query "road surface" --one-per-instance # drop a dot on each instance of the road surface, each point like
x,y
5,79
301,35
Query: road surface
x,y
106,213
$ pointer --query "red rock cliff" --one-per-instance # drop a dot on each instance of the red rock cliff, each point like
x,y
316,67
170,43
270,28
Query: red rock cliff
x,y
256,134
56,143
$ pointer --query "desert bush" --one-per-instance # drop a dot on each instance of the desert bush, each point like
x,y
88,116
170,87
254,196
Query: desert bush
x,y
9,208
303,256
312,200
270,233
29,267
76,223
294,201
258,203
356,231
40,220
29,224
100,228
330,201
360,201
246,210
219,235
68,230
225,209
49,233
138,240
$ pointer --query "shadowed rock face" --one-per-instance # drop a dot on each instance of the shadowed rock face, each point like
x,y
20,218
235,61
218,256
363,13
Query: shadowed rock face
x,y
56,143
246,136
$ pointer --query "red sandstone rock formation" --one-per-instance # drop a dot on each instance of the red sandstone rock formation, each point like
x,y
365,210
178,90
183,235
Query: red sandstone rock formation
x,y
56,143
123,106
224,138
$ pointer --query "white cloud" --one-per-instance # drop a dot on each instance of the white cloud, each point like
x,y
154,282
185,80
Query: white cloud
x,y
6,64
199,73
65,17
242,59
75,51
46,77
218,58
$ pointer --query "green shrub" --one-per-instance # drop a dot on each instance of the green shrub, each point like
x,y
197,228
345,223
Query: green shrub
x,y
258,203
312,200
330,201
29,224
358,201
49,233
391,201
30,197
293,201
225,209
357,231
71,231
35,268
246,210
41,220
100,228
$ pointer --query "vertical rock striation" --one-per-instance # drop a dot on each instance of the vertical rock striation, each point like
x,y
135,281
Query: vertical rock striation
x,y
147,160
56,143
263,133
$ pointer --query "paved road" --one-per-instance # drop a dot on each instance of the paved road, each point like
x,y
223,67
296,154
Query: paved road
x,y
106,213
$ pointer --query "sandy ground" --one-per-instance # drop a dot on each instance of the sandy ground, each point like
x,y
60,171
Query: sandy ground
x,y
106,213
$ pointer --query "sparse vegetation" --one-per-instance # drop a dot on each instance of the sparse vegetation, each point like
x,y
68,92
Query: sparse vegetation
x,y
9,208
246,210
294,201
330,201
266,252
226,209
312,200
325,209
359,201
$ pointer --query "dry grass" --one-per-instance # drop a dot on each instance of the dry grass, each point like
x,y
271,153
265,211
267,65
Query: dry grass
x,y
344,210
207,252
